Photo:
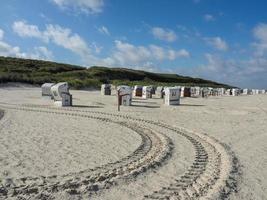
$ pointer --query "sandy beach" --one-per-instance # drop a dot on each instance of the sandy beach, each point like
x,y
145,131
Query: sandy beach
x,y
214,148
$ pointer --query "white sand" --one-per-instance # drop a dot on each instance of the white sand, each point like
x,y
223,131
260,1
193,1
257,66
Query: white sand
x,y
37,144
47,150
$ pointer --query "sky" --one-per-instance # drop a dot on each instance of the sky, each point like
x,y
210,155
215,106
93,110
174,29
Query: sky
x,y
220,40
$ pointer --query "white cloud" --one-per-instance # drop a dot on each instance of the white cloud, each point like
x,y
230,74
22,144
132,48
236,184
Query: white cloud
x,y
65,38
157,52
96,47
54,33
183,53
164,34
104,30
45,17
248,73
209,17
172,55
126,54
60,36
42,53
260,33
85,6
8,50
14,51
221,70
217,43
25,30
1,34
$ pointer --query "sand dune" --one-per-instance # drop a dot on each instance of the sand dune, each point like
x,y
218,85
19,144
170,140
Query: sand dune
x,y
211,148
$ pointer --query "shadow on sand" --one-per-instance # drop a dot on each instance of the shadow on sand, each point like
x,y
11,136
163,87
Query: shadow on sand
x,y
84,106
147,102
145,106
193,105
1,114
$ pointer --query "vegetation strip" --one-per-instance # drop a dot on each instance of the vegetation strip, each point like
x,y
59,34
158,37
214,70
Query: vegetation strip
x,y
39,72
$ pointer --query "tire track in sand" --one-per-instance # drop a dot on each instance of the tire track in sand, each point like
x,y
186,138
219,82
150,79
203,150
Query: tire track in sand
x,y
212,175
153,150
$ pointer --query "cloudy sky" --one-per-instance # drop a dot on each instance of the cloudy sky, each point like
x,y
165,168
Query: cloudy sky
x,y
221,40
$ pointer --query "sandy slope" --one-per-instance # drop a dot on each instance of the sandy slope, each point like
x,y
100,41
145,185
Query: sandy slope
x,y
35,143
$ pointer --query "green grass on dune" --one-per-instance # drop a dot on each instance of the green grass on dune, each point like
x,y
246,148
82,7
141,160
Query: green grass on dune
x,y
39,72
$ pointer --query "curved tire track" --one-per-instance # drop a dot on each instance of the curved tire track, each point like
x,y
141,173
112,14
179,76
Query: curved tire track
x,y
212,175
153,150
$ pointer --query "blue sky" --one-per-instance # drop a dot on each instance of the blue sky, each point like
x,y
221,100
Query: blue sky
x,y
221,40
